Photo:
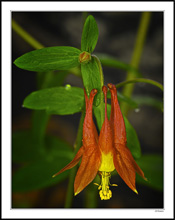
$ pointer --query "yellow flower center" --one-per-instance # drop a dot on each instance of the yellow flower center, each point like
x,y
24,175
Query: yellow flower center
x,y
106,167
107,162
105,193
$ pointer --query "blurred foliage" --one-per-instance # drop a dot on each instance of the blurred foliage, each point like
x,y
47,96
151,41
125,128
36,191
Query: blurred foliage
x,y
39,166
152,165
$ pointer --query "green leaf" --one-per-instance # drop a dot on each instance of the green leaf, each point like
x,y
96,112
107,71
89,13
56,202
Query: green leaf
x,y
132,139
59,100
38,174
90,35
152,166
49,58
150,101
110,61
91,78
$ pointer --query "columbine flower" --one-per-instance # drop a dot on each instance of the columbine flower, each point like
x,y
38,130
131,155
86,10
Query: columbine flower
x,y
104,154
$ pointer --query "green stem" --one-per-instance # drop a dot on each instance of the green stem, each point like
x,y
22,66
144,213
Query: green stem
x,y
77,145
39,118
27,37
70,188
141,36
137,80
39,124
102,110
92,195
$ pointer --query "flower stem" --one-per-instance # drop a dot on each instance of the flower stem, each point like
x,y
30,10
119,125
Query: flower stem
x,y
39,118
40,121
26,36
77,145
141,36
102,110
92,195
70,188
137,80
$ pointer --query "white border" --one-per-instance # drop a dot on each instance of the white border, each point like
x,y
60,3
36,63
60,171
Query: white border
x,y
7,7
87,6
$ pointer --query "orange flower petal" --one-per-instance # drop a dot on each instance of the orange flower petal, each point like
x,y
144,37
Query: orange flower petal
x,y
90,134
116,118
91,157
122,158
88,169
139,171
73,162
124,164
106,135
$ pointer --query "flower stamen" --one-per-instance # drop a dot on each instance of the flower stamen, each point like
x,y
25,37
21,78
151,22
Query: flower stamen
x,y
105,193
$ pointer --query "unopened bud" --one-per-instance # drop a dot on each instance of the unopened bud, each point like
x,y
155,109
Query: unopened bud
x,y
84,57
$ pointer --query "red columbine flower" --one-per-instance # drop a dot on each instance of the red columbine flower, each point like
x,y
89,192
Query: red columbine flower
x,y
105,154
